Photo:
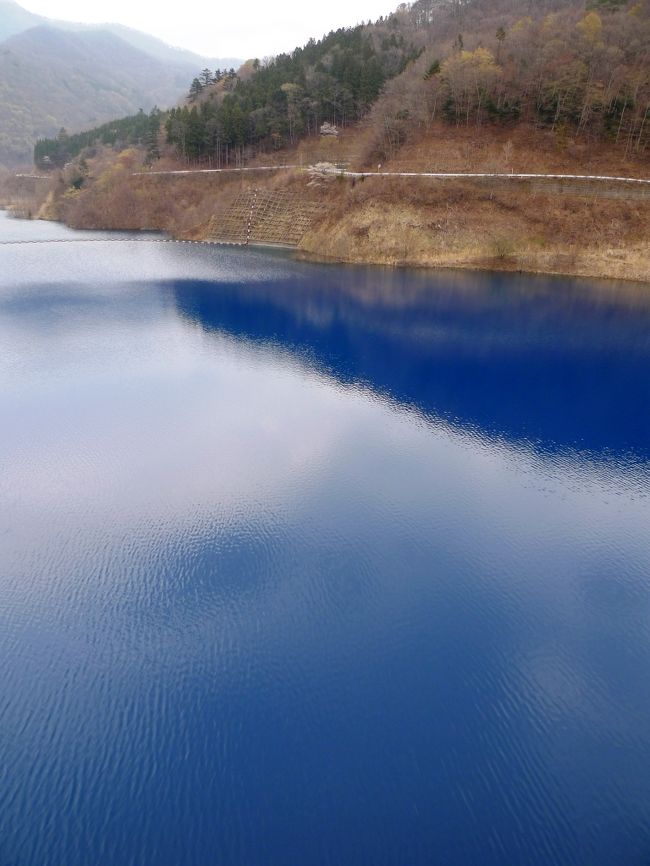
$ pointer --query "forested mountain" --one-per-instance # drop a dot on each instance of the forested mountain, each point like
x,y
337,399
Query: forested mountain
x,y
137,129
577,68
573,67
554,63
55,74
335,79
51,78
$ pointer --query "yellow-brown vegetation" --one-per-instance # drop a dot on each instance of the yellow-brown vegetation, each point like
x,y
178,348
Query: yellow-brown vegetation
x,y
466,225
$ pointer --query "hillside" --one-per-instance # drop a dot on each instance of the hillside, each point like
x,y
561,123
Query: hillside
x,y
51,78
572,67
57,74
564,65
14,19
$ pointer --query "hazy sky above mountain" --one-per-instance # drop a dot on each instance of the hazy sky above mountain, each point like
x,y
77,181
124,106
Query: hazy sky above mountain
x,y
256,28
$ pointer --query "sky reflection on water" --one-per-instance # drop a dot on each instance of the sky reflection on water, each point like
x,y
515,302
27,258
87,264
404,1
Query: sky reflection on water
x,y
320,565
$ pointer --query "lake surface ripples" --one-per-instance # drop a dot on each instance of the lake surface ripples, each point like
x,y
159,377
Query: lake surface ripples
x,y
319,565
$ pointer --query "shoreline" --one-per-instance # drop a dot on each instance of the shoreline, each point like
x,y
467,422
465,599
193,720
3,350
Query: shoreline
x,y
485,267
507,265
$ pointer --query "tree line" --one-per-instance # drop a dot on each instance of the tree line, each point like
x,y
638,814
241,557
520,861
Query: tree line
x,y
136,129
274,103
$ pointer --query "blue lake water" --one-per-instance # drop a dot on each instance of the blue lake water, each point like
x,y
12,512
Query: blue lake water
x,y
319,565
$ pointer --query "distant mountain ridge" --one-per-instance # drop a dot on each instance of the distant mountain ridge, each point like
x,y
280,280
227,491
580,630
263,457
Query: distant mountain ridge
x,y
54,74
14,20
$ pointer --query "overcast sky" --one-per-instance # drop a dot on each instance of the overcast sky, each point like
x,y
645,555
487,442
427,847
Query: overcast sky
x,y
256,28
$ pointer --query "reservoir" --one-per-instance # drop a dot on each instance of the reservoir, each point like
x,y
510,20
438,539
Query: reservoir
x,y
306,564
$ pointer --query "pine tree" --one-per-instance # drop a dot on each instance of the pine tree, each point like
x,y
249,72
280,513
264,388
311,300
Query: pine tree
x,y
195,90
153,133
